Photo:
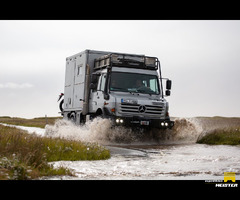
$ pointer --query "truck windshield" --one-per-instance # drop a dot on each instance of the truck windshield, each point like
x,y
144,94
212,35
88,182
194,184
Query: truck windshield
x,y
132,82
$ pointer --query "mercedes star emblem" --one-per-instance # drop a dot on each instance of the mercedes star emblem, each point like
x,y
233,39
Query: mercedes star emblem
x,y
141,109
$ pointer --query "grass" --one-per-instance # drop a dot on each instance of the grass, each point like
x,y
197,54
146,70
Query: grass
x,y
222,137
24,156
35,122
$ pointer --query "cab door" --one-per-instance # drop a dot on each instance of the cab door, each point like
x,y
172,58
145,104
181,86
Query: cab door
x,y
97,96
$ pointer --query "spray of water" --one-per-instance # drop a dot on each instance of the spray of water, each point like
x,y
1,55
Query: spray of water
x,y
185,130
98,130
101,131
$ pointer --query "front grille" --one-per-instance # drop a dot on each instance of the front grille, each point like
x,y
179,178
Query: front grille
x,y
134,109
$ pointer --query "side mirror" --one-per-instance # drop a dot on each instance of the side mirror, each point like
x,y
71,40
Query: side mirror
x,y
167,92
106,96
168,84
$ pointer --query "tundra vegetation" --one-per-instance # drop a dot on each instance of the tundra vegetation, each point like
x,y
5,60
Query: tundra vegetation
x,y
27,156
39,122
228,136
220,130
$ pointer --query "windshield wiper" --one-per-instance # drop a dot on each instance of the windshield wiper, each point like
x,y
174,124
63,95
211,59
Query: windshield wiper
x,y
117,89
145,92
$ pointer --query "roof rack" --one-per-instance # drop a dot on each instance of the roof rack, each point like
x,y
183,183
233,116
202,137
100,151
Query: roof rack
x,y
126,60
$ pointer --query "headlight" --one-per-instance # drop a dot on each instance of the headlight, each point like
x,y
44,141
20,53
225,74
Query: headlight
x,y
119,121
166,124
162,124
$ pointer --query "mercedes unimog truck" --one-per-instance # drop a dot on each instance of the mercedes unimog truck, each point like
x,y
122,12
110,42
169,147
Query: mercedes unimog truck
x,y
125,88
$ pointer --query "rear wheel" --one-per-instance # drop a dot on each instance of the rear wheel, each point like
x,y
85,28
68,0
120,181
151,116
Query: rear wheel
x,y
72,117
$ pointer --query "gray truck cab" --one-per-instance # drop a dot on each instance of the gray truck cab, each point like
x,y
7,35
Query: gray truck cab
x,y
125,88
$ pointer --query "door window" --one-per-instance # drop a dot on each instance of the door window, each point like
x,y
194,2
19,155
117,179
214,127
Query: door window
x,y
103,81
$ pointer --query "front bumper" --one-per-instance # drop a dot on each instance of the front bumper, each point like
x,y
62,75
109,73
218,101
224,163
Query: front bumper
x,y
142,122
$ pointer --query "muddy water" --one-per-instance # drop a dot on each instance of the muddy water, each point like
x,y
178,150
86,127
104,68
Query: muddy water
x,y
101,131
167,155
161,155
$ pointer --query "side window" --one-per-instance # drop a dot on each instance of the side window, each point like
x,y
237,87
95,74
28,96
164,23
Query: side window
x,y
154,85
103,81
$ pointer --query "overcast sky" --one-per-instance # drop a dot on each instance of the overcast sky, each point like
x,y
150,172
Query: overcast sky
x,y
202,58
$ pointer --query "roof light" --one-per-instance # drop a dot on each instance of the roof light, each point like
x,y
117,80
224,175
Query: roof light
x,y
150,61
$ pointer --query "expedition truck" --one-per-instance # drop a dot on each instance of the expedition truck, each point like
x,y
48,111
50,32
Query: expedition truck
x,y
126,88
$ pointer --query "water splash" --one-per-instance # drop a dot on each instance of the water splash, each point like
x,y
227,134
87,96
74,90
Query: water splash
x,y
185,130
98,130
101,131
